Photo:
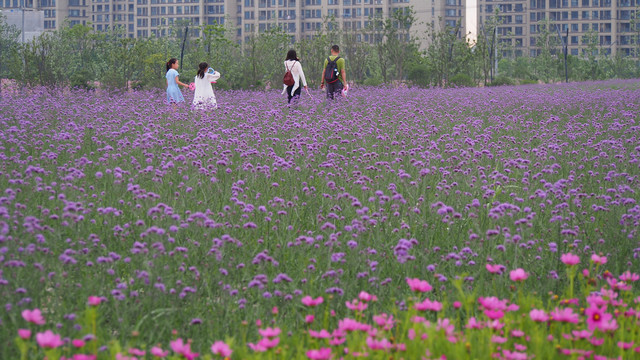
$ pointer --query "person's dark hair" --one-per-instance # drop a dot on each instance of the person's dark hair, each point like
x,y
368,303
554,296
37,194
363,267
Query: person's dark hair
x,y
202,69
291,55
171,62
335,48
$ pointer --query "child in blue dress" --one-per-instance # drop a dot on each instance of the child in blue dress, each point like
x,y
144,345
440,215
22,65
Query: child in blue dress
x,y
174,95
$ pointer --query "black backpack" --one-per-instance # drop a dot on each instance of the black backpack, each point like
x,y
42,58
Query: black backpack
x,y
331,74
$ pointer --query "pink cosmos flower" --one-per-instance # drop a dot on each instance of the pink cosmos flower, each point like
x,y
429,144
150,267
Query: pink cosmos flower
x,y
610,326
364,296
94,300
520,347
474,324
495,324
269,343
598,259
446,325
48,340
495,268
493,303
322,334
158,352
356,305
257,347
597,316
628,276
514,355
596,300
624,345
120,356
494,314
582,334
418,285
33,316
311,302
498,339
538,315
84,357
77,343
570,259
419,319
513,307
24,333
565,315
384,321
137,352
347,324
457,304
320,354
428,305
269,332
181,348
518,275
309,319
221,348
382,344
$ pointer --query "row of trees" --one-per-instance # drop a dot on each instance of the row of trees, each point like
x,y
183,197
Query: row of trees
x,y
383,52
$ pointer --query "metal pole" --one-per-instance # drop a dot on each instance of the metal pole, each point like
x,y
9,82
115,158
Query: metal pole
x,y
566,50
186,31
22,10
495,50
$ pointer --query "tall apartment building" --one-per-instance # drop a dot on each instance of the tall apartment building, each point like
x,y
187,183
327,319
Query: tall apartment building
x,y
521,20
300,18
518,31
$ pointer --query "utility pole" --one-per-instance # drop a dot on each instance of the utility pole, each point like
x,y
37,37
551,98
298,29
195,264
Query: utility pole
x,y
22,11
565,44
184,40
495,50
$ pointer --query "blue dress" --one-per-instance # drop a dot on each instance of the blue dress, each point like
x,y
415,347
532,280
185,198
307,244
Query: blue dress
x,y
174,95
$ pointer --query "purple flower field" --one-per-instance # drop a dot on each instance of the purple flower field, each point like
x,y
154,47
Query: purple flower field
x,y
216,226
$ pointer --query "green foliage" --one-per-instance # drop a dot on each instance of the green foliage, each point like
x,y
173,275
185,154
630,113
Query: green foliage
x,y
418,74
447,54
462,80
373,81
502,80
527,82
385,51
8,46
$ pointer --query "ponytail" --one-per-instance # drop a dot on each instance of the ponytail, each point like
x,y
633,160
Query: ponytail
x,y
202,69
171,62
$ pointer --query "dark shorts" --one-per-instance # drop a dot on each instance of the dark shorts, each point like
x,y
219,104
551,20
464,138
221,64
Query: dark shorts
x,y
334,88
296,94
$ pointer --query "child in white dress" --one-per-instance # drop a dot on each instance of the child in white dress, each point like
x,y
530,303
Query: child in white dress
x,y
204,98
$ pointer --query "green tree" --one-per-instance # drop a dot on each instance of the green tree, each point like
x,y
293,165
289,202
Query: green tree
x,y
264,54
547,61
80,43
441,52
314,50
10,62
218,49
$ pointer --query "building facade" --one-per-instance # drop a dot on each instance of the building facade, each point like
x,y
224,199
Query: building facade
x,y
608,23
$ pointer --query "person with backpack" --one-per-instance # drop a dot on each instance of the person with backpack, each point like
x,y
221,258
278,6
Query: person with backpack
x,y
334,75
292,76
